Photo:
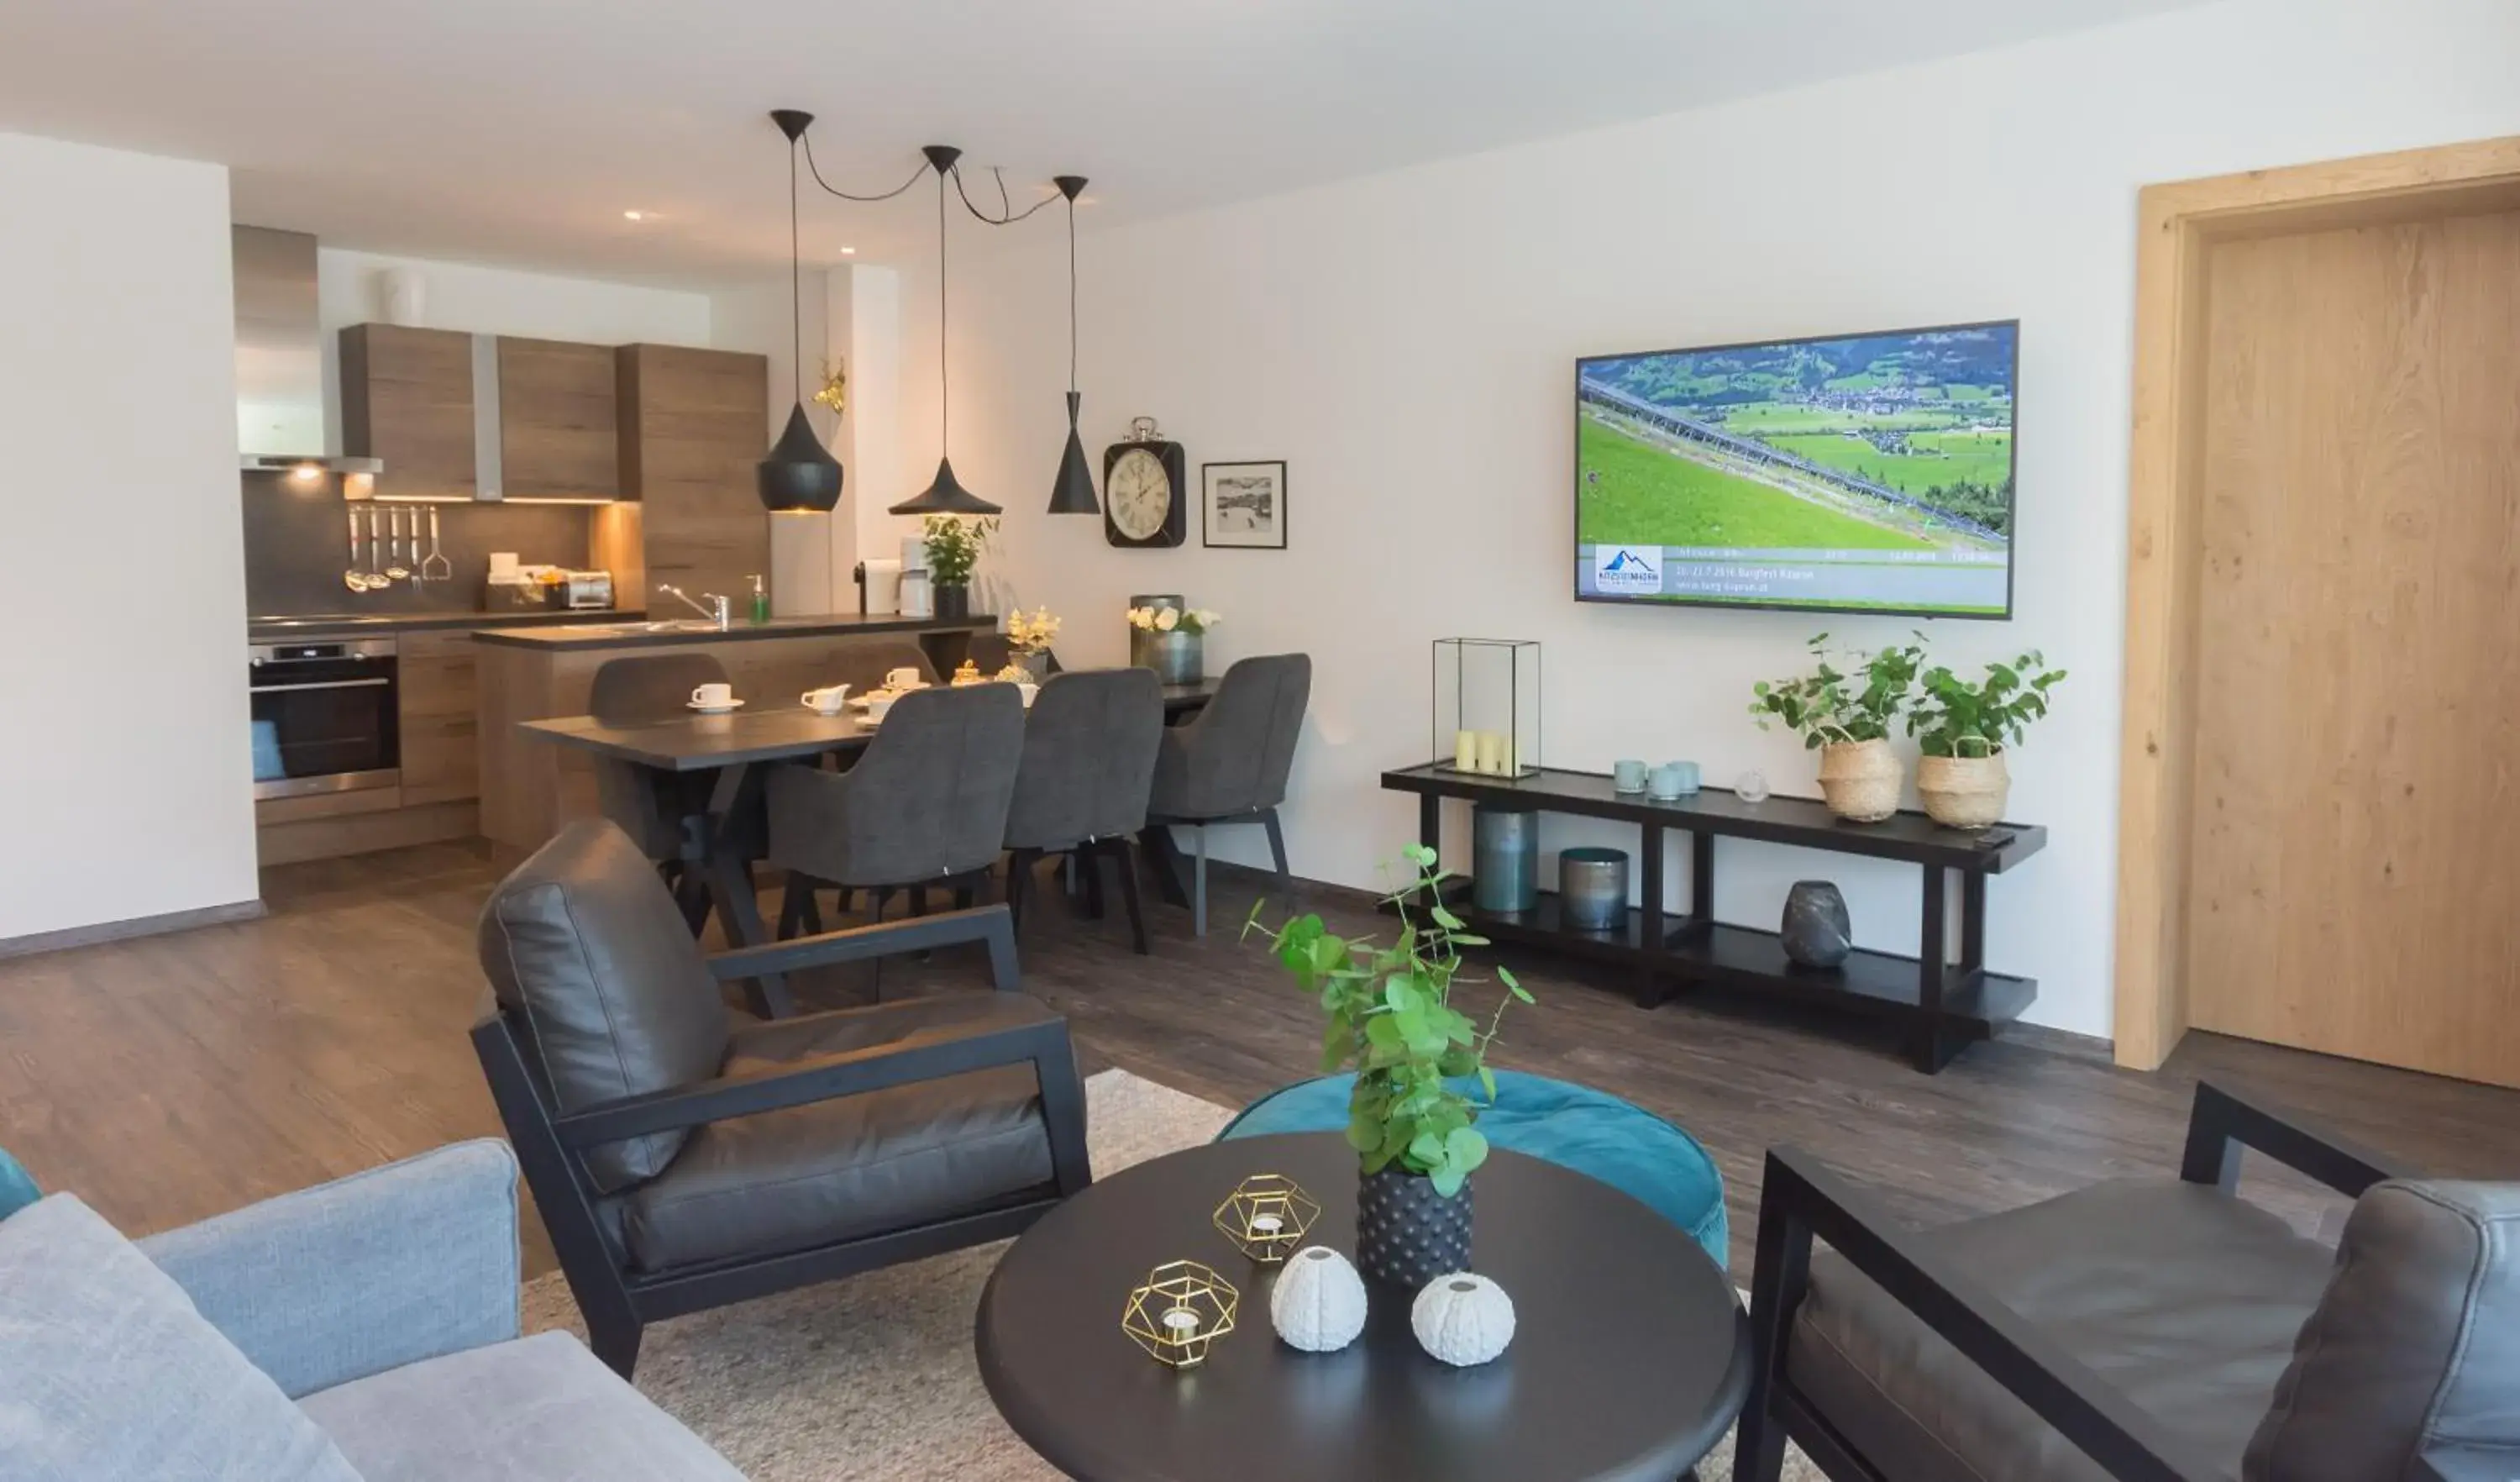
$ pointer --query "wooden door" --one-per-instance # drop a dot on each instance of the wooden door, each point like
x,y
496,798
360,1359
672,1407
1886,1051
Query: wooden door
x,y
2355,879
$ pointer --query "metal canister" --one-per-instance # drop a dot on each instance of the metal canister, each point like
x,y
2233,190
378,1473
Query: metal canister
x,y
1592,888
1505,867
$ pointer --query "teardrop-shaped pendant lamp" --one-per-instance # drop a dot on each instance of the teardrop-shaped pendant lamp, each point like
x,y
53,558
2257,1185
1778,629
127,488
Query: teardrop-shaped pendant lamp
x,y
800,476
1073,492
946,495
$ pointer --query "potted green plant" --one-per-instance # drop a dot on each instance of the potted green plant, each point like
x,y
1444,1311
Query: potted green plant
x,y
1391,1015
1966,729
1846,716
954,546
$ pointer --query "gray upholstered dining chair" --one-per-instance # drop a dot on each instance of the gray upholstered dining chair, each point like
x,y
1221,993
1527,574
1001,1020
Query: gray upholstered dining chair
x,y
1229,763
1088,761
648,805
925,805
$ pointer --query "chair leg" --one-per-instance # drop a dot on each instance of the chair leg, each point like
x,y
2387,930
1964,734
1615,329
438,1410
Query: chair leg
x,y
690,895
1778,1282
793,903
1126,854
1198,881
847,902
1278,850
1019,866
1089,869
875,975
918,900
616,1342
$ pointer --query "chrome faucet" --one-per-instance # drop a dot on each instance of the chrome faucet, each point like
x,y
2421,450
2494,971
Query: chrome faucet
x,y
718,610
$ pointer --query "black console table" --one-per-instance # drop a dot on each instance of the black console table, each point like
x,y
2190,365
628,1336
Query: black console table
x,y
1940,1005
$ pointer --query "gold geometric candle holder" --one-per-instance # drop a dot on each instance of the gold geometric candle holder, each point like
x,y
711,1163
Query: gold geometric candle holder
x,y
1266,1216
1184,1308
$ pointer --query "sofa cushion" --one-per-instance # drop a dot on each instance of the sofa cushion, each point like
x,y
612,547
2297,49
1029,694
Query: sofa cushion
x,y
105,1369
858,1165
2416,1345
2182,1297
537,1409
585,941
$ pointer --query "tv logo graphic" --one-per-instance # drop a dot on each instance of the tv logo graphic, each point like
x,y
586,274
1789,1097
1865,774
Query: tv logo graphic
x,y
1624,568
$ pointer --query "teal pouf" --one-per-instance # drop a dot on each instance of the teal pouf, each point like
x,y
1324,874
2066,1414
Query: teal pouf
x,y
17,1186
1591,1132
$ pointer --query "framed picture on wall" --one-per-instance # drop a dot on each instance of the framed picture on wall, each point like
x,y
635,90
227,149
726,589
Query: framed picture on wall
x,y
1244,505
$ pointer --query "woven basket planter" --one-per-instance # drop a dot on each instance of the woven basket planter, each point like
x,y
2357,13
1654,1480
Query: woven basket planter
x,y
1860,779
1964,792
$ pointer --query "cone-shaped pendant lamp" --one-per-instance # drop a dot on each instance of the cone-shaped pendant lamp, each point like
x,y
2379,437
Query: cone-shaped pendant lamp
x,y
945,496
1072,493
800,476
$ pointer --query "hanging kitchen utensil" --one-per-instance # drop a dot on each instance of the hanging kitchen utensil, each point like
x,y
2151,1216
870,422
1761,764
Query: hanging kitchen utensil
x,y
436,567
375,551
353,577
397,571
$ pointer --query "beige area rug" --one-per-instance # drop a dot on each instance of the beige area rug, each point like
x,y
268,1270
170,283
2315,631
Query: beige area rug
x,y
871,1379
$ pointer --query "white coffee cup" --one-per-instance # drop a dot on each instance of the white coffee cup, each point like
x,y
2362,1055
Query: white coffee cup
x,y
876,704
903,678
713,696
827,700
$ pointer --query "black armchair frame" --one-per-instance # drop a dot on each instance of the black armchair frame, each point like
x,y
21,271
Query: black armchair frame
x,y
619,1301
1802,1199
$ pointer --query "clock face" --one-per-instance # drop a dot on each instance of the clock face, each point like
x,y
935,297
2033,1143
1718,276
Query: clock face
x,y
1140,494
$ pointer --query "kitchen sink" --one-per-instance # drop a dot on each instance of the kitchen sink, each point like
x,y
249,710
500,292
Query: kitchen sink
x,y
617,630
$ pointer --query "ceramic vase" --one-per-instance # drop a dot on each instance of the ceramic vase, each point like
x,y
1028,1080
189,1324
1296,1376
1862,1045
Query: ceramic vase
x,y
1407,1234
1318,1302
1860,779
1816,932
1964,792
1462,1319
953,600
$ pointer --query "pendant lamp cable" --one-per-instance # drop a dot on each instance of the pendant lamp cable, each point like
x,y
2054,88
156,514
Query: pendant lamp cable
x,y
1007,215
797,291
1071,294
944,383
844,194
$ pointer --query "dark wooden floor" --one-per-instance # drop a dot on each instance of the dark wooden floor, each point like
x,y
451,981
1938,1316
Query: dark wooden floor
x,y
175,1077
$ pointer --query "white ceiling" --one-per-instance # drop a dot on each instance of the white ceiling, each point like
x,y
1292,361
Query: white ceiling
x,y
518,131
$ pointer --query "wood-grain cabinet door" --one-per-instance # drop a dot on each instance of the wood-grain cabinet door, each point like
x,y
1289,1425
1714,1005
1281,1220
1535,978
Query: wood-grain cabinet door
x,y
693,430
441,695
407,398
559,420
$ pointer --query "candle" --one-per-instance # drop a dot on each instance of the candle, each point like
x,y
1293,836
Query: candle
x,y
1491,752
1267,1224
1466,750
1182,1320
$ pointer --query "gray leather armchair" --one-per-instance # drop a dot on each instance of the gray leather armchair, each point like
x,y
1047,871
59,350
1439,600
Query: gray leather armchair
x,y
2144,1328
681,1164
1229,764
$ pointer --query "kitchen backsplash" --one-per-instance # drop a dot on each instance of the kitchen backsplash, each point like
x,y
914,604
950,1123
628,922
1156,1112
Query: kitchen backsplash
x,y
298,546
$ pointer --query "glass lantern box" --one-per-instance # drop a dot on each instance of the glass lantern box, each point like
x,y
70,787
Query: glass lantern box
x,y
1487,705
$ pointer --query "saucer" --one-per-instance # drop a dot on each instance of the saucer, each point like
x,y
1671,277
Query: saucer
x,y
729,709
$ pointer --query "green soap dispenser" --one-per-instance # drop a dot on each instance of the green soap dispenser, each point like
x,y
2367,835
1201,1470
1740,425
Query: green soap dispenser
x,y
760,602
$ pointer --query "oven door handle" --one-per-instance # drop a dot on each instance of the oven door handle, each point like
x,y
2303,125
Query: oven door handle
x,y
328,683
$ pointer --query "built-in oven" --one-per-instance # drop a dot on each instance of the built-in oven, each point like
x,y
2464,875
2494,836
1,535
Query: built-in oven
x,y
325,717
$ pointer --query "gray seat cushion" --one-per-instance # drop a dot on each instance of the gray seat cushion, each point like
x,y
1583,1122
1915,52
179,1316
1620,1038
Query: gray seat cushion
x,y
585,943
856,1166
2415,1346
108,1371
538,1409
2185,1298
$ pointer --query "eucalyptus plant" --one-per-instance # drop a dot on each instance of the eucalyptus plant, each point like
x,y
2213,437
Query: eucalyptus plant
x,y
954,547
1829,705
1389,1012
1954,717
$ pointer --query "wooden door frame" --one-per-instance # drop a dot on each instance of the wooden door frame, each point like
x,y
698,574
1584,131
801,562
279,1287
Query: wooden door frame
x,y
2177,224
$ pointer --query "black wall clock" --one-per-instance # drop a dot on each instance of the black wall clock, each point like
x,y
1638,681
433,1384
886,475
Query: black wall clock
x,y
1146,501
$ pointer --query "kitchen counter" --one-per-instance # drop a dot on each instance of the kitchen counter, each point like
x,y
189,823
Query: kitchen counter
x,y
258,628
620,634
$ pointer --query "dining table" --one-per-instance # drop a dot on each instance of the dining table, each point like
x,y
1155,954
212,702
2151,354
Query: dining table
x,y
738,746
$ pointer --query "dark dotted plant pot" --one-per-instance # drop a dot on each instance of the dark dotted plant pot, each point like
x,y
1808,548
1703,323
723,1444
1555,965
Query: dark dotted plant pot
x,y
1407,1233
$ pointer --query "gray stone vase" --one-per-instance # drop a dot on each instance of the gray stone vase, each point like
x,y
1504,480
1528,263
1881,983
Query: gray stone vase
x,y
1816,933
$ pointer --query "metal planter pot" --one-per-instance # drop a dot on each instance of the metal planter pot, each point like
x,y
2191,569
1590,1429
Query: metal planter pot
x,y
1176,658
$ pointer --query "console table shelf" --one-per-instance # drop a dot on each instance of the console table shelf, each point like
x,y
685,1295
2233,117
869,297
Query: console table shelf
x,y
1940,1009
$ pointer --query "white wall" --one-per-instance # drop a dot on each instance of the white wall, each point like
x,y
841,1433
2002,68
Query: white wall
x,y
1406,344
122,542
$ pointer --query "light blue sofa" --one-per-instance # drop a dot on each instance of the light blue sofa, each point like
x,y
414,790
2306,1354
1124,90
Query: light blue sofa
x,y
385,1306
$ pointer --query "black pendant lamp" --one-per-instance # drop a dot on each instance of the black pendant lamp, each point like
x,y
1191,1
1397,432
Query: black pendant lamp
x,y
1073,492
800,476
945,496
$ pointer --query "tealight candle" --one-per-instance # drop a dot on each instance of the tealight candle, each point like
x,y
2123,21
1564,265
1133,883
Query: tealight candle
x,y
1267,1224
1180,1320
1466,750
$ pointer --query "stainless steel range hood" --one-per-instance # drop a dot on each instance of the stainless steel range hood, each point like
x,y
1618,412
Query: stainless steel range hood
x,y
280,357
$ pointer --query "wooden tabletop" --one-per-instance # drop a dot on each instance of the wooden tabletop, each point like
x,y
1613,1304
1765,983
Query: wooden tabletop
x,y
758,732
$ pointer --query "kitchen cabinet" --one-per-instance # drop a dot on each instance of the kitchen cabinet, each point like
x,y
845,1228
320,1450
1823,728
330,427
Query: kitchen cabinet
x,y
407,398
693,425
559,420
440,747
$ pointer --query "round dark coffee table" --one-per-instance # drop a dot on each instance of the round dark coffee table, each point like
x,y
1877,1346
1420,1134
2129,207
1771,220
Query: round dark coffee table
x,y
1631,1352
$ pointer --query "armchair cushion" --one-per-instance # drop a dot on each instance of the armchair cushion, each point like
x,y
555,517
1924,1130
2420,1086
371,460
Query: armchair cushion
x,y
106,1370
540,1410
2182,1297
2416,1345
586,942
857,1165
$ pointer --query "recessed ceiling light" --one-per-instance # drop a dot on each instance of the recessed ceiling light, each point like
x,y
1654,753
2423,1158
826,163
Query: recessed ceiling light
x,y
848,251
634,216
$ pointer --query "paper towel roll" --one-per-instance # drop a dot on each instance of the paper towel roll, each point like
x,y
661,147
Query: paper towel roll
x,y
884,586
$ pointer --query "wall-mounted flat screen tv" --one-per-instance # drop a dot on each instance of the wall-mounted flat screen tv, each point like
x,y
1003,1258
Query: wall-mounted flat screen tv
x,y
1850,473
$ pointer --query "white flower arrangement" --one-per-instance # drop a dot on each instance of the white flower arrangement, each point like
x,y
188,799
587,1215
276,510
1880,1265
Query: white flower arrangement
x,y
1167,619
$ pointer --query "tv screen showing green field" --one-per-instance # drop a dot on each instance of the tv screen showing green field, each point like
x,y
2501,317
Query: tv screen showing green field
x,y
1871,473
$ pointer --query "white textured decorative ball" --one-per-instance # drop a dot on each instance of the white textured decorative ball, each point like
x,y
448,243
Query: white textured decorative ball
x,y
1317,1304
1463,1318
